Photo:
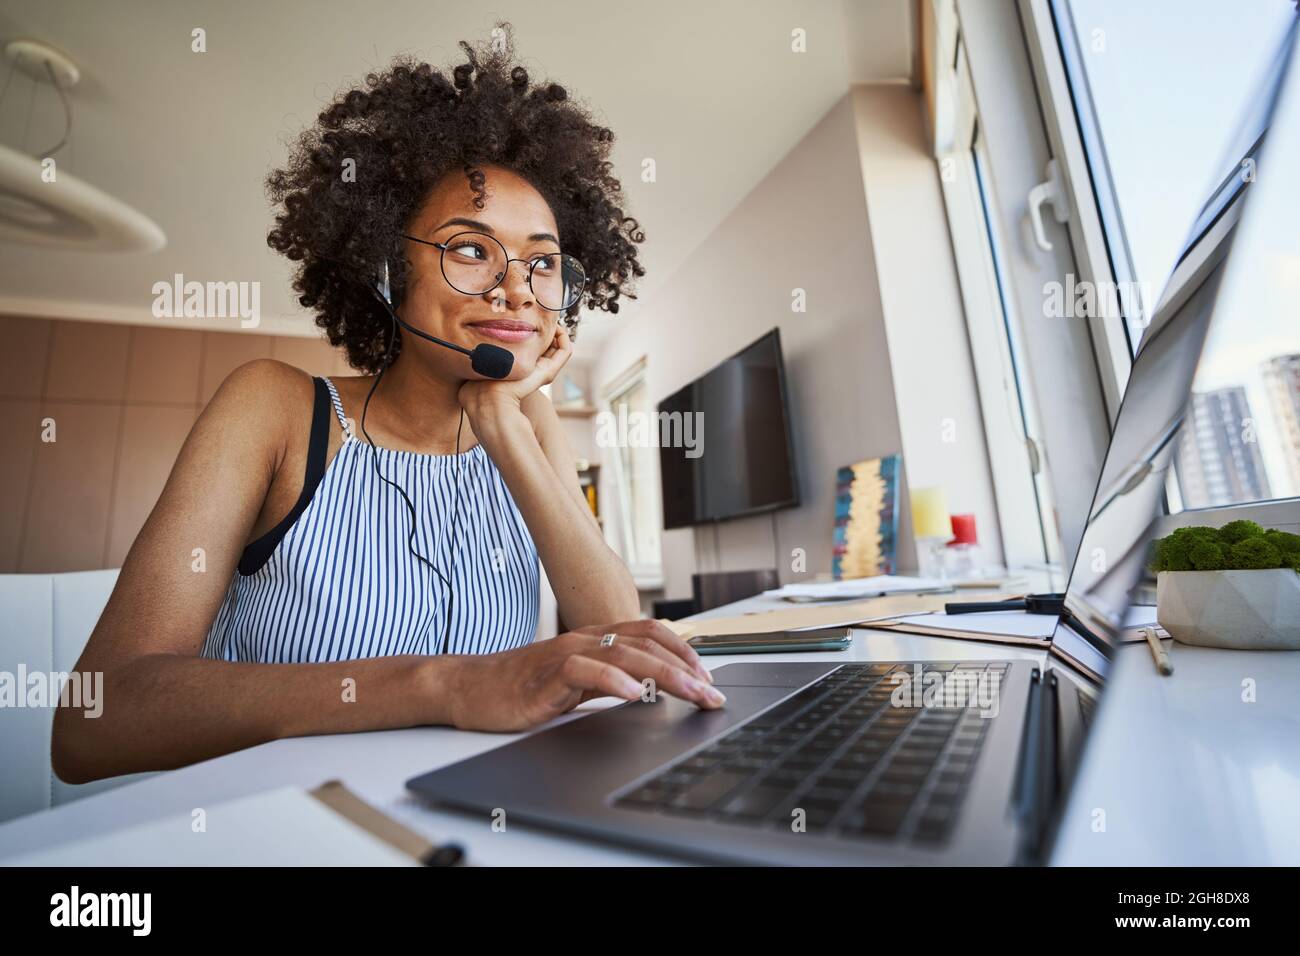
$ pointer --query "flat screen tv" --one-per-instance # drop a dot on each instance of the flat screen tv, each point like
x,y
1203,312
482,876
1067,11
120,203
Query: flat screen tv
x,y
742,461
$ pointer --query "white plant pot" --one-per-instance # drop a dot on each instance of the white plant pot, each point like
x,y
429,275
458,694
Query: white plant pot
x,y
1247,610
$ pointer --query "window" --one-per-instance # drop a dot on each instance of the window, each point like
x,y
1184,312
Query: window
x,y
1029,419
1162,94
1155,108
1026,513
990,126
636,479
1241,440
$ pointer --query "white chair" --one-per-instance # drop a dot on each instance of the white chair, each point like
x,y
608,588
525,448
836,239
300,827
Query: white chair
x,y
45,621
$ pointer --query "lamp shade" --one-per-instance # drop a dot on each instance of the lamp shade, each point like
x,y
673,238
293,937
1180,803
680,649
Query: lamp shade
x,y
67,213
930,513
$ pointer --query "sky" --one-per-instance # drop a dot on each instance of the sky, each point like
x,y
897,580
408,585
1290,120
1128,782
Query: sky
x,y
1173,83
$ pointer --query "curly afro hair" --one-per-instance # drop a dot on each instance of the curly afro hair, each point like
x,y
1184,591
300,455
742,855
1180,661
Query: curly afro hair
x,y
406,129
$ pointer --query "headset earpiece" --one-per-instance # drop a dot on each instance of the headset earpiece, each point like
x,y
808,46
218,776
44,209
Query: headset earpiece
x,y
382,286
490,361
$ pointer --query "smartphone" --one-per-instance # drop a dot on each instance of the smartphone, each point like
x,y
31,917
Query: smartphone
x,y
822,639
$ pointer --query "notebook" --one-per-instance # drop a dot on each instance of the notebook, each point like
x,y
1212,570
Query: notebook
x,y
287,826
1005,627
1001,627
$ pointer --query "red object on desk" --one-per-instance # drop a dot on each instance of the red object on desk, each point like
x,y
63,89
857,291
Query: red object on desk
x,y
963,530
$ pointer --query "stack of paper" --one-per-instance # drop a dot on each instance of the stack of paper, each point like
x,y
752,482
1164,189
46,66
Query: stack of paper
x,y
807,618
858,588
1003,627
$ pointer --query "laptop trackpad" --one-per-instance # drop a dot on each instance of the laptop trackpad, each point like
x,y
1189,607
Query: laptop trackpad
x,y
594,754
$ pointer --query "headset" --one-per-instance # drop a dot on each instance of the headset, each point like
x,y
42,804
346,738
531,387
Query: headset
x,y
491,361
488,360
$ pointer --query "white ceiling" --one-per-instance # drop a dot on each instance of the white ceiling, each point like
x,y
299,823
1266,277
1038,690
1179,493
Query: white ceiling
x,y
711,91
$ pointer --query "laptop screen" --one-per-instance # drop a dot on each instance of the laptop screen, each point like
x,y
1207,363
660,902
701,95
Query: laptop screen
x,y
1113,548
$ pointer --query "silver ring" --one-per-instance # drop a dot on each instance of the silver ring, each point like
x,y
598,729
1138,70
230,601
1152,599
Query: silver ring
x,y
608,640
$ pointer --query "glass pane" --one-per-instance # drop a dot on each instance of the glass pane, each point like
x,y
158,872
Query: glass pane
x,y
1241,440
1163,88
1047,520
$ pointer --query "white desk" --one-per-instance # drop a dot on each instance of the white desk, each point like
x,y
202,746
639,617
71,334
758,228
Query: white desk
x,y
1186,773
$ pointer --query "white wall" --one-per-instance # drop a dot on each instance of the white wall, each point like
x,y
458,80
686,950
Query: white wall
x,y
804,226
878,363
934,380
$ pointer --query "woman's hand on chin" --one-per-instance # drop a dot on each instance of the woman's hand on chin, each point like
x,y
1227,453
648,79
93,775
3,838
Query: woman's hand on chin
x,y
518,689
482,398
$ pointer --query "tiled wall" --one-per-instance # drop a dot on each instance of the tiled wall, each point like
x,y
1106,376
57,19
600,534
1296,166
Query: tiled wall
x,y
123,398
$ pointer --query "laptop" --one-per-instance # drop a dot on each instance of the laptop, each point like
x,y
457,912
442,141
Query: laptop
x,y
883,762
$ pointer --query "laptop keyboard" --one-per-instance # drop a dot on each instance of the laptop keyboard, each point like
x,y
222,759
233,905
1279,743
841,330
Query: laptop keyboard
x,y
839,750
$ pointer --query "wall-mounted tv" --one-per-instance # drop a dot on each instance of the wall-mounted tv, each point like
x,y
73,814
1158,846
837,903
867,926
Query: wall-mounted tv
x,y
744,460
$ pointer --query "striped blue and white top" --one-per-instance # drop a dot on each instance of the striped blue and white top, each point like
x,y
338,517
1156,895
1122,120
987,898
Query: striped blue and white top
x,y
336,581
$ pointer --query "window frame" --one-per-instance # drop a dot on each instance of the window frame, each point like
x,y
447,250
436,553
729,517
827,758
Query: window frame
x,y
647,575
1028,528
1061,365
1090,194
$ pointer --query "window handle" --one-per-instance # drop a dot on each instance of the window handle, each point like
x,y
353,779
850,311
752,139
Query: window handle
x,y
1035,459
1049,191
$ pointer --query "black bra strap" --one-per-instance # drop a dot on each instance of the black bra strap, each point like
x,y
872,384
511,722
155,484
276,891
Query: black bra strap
x,y
260,551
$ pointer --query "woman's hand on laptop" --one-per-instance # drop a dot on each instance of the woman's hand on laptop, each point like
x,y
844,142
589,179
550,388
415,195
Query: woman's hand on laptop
x,y
518,689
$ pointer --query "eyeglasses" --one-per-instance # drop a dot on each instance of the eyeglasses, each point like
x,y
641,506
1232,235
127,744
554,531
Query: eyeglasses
x,y
474,263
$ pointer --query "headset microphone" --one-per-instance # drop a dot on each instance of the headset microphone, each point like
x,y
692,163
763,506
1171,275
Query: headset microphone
x,y
491,361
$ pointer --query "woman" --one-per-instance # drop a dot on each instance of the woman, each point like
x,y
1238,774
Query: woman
x,y
302,576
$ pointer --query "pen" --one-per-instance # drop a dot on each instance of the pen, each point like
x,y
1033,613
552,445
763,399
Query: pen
x,y
1158,652
980,607
1033,603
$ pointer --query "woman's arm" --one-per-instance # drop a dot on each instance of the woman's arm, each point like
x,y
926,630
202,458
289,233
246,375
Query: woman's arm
x,y
550,435
520,430
163,711
163,705
591,583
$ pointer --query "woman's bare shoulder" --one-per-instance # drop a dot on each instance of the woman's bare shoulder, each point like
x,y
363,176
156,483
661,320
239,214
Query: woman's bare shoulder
x,y
263,401
268,380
